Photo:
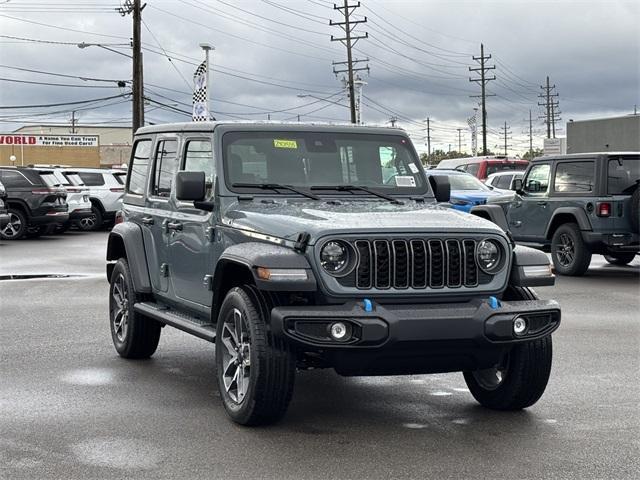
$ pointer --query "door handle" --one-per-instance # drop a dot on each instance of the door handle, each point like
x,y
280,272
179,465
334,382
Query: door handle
x,y
147,220
176,226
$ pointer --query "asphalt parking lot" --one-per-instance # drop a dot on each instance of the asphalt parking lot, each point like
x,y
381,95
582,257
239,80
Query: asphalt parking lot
x,y
71,408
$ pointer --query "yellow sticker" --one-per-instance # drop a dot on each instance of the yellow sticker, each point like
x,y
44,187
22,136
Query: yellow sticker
x,y
285,143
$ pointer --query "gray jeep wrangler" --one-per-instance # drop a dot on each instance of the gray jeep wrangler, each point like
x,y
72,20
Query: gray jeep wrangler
x,y
296,246
574,206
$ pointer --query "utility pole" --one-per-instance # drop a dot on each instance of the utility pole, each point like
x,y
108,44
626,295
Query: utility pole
x,y
459,140
393,121
134,7
506,132
549,104
483,80
73,121
349,41
530,136
428,130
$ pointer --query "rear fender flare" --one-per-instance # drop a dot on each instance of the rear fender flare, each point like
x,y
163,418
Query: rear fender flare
x,y
578,213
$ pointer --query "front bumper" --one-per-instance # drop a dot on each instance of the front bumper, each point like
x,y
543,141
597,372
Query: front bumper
x,y
409,338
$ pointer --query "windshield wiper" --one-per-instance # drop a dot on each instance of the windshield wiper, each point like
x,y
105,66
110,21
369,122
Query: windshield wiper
x,y
276,186
350,188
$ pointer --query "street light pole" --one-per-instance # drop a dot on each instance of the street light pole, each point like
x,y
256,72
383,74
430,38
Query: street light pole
x,y
207,48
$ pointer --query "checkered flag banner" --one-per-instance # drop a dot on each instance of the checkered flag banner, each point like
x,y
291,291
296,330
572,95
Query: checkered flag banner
x,y
200,107
473,126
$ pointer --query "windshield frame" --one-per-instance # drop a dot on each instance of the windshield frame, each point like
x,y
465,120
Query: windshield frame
x,y
392,137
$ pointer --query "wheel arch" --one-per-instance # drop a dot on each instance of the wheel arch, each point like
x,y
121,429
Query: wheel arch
x,y
126,241
493,213
564,215
18,204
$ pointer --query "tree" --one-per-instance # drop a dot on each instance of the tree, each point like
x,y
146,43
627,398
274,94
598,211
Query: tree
x,y
438,155
537,152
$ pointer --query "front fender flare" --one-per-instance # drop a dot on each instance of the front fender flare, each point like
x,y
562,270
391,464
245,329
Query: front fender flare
x,y
494,213
128,236
530,268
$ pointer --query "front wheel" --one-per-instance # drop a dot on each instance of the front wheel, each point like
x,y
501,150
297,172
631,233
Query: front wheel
x,y
620,258
133,334
520,379
254,369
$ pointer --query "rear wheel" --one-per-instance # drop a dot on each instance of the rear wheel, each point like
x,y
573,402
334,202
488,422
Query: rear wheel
x,y
17,226
133,334
570,254
620,258
520,379
255,370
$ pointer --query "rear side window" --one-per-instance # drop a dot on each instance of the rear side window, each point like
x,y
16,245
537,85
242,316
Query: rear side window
x,y
14,179
91,179
503,181
74,179
574,177
139,165
623,175
50,179
165,167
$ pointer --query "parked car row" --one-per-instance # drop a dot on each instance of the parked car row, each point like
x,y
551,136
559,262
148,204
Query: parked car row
x,y
41,200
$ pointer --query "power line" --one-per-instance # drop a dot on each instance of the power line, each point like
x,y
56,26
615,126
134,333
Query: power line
x,y
79,102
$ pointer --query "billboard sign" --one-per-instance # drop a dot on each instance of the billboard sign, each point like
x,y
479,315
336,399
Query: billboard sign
x,y
50,140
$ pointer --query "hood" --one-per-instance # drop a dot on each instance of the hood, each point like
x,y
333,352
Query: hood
x,y
478,197
288,218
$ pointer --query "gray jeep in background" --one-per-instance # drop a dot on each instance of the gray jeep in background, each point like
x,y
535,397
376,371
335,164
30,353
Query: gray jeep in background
x,y
295,246
574,206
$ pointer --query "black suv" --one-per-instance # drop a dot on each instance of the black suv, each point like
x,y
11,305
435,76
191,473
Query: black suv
x,y
574,206
305,246
4,214
32,204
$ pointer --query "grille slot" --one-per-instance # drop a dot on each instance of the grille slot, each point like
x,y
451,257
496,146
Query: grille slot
x,y
416,263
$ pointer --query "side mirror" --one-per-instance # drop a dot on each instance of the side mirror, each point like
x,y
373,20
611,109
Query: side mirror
x,y
441,187
190,186
517,185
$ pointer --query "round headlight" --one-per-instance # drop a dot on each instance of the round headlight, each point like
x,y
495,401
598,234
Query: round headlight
x,y
489,256
334,257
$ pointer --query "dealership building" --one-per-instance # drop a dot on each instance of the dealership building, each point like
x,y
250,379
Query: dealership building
x,y
614,134
86,146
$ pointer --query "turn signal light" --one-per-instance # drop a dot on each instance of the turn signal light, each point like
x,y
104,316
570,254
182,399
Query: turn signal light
x,y
603,209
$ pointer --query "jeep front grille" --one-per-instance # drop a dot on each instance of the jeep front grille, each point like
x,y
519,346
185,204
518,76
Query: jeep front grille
x,y
417,264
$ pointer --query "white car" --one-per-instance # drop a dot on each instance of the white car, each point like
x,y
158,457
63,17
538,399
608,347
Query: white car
x,y
106,188
502,182
77,195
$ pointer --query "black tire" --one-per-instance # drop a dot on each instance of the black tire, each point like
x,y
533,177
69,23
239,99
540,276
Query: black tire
x,y
93,222
620,258
524,371
635,210
17,226
266,389
133,334
569,253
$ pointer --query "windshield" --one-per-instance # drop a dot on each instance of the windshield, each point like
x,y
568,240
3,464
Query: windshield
x,y
385,163
624,174
466,182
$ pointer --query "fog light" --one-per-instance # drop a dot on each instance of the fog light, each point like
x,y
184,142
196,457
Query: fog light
x,y
519,326
339,331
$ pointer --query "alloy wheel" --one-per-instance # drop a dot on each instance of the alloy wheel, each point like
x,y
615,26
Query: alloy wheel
x,y
120,310
566,250
12,228
88,223
236,356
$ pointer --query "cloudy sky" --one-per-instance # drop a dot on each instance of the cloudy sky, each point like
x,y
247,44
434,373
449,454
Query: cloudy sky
x,y
274,58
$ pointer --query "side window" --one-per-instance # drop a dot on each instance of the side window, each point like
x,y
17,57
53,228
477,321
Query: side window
x,y
165,167
537,180
473,169
138,169
503,181
14,179
92,179
198,157
574,177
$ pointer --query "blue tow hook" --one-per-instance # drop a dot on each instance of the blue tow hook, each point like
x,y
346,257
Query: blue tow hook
x,y
494,303
368,305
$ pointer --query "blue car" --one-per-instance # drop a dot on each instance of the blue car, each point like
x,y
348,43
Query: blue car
x,y
466,190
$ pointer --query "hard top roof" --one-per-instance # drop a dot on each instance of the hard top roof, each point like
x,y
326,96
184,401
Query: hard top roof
x,y
268,126
581,155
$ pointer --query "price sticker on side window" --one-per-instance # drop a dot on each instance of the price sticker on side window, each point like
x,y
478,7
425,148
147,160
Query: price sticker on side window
x,y
405,181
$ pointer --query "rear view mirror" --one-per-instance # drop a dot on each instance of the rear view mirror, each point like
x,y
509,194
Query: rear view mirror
x,y
190,186
441,187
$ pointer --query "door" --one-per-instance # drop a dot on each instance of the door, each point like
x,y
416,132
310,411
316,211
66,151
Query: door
x,y
529,212
156,220
192,242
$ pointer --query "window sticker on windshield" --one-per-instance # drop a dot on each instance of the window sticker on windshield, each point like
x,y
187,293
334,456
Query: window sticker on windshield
x,y
405,181
285,143
413,168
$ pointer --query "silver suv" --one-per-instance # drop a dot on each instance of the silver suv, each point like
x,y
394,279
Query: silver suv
x,y
106,187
